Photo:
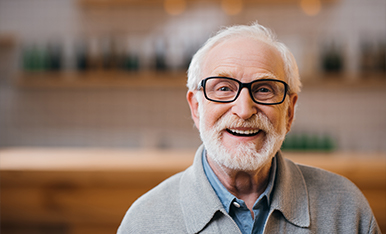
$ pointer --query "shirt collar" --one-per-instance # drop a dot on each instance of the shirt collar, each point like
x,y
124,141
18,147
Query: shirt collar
x,y
224,195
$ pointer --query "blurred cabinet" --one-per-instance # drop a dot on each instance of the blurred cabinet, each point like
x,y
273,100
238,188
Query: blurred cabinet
x,y
89,190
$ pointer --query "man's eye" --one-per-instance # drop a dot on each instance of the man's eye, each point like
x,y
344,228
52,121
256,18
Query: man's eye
x,y
263,90
224,89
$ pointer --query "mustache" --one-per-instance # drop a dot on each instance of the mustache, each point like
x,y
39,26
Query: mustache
x,y
257,121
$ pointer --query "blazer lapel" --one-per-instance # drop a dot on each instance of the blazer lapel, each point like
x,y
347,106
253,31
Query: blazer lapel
x,y
199,201
290,194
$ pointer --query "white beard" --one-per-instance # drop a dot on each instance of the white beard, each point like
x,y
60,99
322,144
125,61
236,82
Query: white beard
x,y
243,156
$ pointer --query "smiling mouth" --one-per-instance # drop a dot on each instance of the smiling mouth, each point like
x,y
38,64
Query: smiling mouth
x,y
244,133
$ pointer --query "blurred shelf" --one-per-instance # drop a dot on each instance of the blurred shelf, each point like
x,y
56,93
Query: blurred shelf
x,y
169,79
102,159
344,81
102,79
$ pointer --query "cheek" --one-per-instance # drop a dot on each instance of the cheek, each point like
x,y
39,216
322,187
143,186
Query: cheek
x,y
276,116
282,118
208,119
210,113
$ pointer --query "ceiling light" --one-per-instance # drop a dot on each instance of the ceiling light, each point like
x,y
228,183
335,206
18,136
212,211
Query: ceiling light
x,y
232,7
174,7
311,7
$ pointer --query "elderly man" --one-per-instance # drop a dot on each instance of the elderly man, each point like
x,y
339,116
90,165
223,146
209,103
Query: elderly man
x,y
243,87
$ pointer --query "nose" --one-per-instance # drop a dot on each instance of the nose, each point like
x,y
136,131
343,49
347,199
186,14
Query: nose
x,y
244,107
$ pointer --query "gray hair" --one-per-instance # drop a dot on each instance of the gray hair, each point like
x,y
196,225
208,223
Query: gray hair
x,y
255,31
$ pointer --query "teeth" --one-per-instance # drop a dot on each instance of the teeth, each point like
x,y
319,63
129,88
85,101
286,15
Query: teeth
x,y
247,132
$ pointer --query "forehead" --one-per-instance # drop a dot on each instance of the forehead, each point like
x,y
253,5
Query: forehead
x,y
243,58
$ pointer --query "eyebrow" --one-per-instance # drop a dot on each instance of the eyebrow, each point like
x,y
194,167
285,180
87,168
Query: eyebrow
x,y
265,76
256,77
225,74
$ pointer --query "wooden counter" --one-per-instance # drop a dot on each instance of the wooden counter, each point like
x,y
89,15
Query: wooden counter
x,y
89,190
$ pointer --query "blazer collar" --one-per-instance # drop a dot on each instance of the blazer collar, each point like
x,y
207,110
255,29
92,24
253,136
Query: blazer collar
x,y
198,199
290,194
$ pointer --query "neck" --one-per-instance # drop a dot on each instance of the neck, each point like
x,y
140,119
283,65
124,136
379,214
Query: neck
x,y
245,185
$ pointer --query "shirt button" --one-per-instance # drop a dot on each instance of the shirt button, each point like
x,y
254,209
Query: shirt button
x,y
236,204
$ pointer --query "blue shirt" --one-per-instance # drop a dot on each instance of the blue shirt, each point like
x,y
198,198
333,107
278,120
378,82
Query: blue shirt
x,y
237,208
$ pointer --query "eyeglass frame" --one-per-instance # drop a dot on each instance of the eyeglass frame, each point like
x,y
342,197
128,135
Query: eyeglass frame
x,y
241,86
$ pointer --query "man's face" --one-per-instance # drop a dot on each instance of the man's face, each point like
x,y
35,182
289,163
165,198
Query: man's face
x,y
242,134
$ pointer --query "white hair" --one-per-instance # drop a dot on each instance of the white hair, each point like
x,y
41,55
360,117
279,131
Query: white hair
x,y
255,31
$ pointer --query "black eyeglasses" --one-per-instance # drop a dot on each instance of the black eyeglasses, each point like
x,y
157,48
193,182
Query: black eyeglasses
x,y
262,91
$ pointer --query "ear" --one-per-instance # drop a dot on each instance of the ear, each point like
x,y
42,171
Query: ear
x,y
291,110
193,104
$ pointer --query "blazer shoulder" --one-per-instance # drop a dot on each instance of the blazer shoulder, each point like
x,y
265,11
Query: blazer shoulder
x,y
151,210
337,201
164,193
328,186
325,179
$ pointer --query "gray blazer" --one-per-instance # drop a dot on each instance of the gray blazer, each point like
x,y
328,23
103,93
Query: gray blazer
x,y
304,200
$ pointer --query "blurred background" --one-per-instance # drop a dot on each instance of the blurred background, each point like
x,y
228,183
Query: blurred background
x,y
82,72
96,80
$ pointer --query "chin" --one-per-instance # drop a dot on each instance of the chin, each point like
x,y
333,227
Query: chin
x,y
244,156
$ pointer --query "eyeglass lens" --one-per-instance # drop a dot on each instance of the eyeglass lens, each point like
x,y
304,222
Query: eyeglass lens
x,y
262,91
